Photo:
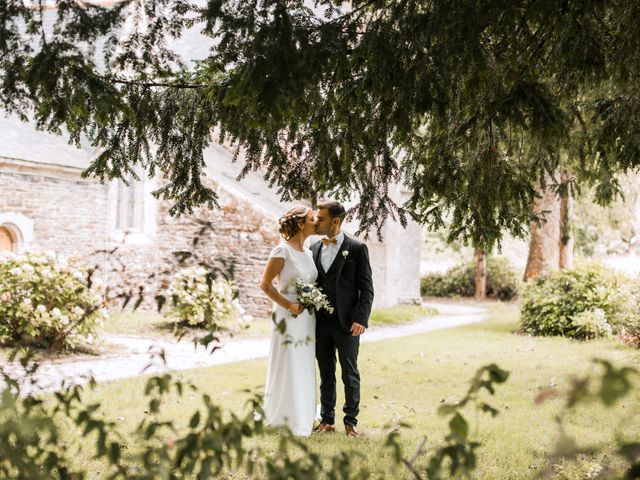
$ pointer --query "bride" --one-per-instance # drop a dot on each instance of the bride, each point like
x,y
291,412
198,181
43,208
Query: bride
x,y
290,392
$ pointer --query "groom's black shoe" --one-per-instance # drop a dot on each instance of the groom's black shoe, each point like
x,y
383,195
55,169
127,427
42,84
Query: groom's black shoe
x,y
324,427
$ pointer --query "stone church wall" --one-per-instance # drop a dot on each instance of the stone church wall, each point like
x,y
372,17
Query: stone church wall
x,y
70,217
68,214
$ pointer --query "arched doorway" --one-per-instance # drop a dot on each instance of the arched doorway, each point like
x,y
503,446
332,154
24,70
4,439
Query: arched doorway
x,y
6,240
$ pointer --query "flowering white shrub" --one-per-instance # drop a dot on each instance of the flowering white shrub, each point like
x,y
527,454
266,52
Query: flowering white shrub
x,y
199,300
45,301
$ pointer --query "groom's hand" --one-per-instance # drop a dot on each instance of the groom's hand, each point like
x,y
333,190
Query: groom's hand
x,y
357,329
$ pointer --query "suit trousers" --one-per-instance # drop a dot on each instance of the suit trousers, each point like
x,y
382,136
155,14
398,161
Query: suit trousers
x,y
330,337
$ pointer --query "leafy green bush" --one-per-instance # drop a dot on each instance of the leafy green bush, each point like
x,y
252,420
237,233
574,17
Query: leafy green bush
x,y
200,300
459,281
586,302
45,301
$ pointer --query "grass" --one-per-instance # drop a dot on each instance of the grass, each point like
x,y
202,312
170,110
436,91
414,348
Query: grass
x,y
154,325
406,379
146,324
151,324
399,314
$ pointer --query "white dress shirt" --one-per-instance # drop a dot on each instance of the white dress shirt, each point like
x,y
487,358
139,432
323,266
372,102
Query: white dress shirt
x,y
329,252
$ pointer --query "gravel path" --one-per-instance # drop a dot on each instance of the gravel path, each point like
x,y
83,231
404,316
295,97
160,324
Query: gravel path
x,y
139,355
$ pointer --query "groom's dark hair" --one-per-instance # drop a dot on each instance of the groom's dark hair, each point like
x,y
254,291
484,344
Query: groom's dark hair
x,y
334,208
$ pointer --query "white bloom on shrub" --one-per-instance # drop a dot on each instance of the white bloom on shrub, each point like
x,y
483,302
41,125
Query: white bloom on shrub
x,y
28,268
46,273
19,274
34,258
5,256
191,297
50,253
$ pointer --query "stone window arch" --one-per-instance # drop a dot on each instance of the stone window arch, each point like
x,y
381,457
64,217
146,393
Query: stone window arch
x,y
130,205
132,210
16,231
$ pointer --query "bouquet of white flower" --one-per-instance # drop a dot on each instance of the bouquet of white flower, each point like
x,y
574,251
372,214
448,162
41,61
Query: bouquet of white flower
x,y
311,297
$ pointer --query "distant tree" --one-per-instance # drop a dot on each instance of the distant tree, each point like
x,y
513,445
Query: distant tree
x,y
481,275
566,242
545,233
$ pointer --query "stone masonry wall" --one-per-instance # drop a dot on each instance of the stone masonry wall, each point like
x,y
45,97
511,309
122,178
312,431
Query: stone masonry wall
x,y
239,235
70,217
68,214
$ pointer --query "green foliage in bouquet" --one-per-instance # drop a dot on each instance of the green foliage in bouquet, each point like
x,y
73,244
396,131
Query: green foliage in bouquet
x,y
311,296
459,281
201,299
47,302
587,302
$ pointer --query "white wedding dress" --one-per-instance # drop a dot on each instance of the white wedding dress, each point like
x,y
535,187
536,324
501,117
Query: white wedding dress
x,y
290,392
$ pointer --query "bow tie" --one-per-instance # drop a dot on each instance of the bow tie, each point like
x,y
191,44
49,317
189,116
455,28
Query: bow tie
x,y
327,241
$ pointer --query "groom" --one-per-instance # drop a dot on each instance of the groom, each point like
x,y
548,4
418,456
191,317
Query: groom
x,y
344,274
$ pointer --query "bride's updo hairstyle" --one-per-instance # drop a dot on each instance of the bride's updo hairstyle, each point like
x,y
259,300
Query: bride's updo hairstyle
x,y
289,223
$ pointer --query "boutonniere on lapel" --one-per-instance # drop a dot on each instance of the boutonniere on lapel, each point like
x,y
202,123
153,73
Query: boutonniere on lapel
x,y
345,253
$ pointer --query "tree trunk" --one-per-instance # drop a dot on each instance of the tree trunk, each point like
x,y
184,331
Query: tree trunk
x,y
566,222
543,246
481,274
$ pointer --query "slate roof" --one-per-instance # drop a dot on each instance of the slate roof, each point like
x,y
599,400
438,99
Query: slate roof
x,y
22,141
253,187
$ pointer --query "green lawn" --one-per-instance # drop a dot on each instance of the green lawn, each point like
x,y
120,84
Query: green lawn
x,y
154,325
147,324
399,314
407,379
151,324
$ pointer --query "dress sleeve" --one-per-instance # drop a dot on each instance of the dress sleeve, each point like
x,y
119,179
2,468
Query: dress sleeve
x,y
278,252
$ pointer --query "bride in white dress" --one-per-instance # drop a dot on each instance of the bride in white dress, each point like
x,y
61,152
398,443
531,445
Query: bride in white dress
x,y
290,392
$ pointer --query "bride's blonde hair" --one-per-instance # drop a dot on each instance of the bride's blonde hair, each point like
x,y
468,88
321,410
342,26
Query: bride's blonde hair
x,y
289,223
